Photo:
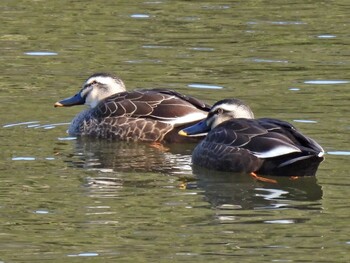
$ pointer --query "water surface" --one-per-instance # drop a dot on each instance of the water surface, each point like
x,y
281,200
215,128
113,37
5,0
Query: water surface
x,y
68,199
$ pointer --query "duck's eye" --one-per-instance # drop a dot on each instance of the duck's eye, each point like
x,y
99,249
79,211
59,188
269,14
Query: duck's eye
x,y
218,111
89,84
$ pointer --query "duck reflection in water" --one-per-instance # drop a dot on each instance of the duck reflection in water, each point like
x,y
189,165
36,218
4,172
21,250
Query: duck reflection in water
x,y
116,156
237,142
150,115
115,163
111,161
238,191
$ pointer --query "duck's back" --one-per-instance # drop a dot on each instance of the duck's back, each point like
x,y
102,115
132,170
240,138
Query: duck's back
x,y
141,115
248,145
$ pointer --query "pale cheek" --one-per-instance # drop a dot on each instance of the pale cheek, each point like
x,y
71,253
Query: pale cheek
x,y
215,123
89,102
220,120
94,98
212,123
93,104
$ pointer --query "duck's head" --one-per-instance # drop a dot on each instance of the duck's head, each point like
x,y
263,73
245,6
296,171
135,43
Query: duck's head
x,y
97,87
221,111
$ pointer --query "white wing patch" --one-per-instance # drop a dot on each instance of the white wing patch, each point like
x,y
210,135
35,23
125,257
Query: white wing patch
x,y
277,151
197,116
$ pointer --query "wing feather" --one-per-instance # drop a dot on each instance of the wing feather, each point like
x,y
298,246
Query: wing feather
x,y
159,104
264,138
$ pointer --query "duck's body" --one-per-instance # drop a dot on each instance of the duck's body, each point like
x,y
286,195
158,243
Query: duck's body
x,y
152,115
263,146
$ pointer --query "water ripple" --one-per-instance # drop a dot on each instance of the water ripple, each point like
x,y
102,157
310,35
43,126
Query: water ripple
x,y
140,16
19,124
339,152
326,82
269,194
326,36
41,53
141,61
23,158
280,221
69,138
30,158
204,86
202,48
35,125
294,89
305,121
286,23
156,46
49,126
41,212
261,60
85,254
277,22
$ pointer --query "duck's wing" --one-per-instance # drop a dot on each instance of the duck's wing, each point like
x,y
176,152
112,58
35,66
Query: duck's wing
x,y
264,138
159,104
192,100
287,130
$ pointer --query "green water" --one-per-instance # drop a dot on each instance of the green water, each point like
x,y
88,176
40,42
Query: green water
x,y
69,200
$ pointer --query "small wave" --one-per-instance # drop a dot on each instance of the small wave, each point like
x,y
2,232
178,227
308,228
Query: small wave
x,y
326,82
339,152
35,125
41,53
204,86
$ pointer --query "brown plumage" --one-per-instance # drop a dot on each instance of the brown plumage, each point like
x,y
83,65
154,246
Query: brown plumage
x,y
238,143
140,115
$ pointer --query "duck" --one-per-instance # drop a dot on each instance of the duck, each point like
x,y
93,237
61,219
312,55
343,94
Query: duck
x,y
237,142
149,115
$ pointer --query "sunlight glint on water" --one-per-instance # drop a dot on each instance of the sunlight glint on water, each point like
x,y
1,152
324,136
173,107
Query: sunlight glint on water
x,y
69,197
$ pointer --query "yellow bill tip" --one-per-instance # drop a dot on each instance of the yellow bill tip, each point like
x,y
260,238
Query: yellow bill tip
x,y
57,104
182,133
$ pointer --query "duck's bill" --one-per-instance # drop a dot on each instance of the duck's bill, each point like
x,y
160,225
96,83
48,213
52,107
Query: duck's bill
x,y
75,100
199,129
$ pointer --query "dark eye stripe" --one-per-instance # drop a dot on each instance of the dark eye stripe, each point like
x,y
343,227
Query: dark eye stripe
x,y
217,111
85,88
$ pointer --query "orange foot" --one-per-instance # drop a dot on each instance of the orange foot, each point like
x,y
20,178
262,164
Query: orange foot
x,y
159,146
263,179
182,186
294,178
